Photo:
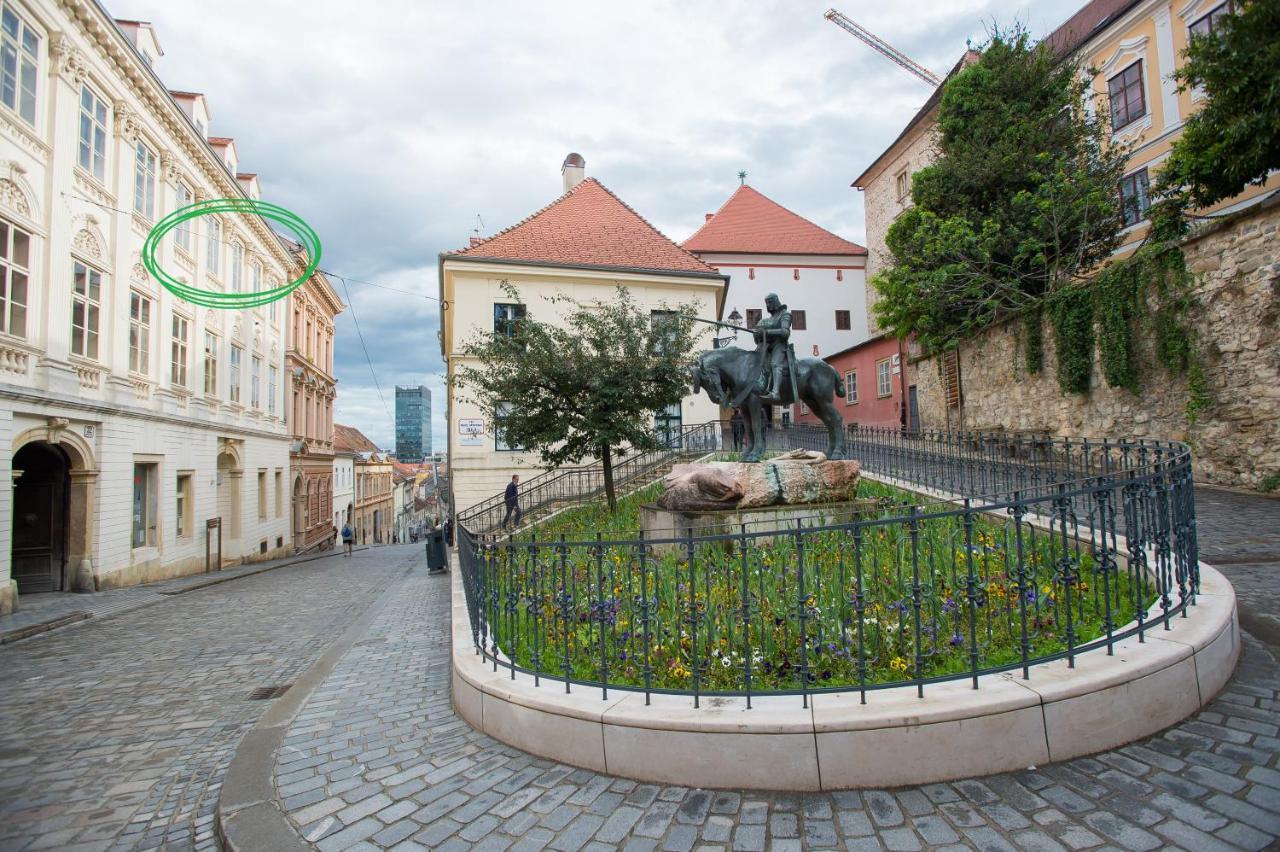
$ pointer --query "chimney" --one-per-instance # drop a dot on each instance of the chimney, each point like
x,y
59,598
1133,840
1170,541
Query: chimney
x,y
709,216
475,241
573,171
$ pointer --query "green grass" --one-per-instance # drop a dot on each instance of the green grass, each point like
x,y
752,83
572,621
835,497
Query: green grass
x,y
842,608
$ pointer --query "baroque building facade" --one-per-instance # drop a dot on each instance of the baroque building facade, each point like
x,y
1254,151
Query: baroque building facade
x,y
312,390
131,421
373,500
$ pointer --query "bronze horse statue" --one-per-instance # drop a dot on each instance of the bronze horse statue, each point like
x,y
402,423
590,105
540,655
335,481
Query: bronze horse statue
x,y
729,377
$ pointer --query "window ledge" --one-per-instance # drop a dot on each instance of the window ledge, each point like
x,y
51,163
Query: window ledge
x,y
1133,129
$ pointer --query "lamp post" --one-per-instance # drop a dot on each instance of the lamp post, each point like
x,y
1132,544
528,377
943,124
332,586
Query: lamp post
x,y
734,318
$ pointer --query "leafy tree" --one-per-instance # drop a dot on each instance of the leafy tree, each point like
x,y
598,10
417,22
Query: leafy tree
x,y
1021,199
1234,140
585,384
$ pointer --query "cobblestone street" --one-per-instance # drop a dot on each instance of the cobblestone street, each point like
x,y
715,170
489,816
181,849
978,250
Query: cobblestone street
x,y
116,732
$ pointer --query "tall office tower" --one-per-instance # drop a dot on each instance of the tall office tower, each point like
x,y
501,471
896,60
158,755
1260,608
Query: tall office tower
x,y
413,423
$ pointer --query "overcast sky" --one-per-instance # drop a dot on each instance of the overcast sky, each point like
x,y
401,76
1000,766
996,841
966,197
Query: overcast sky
x,y
392,125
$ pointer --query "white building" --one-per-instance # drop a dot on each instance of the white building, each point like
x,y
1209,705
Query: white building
x,y
769,249
344,489
584,244
131,419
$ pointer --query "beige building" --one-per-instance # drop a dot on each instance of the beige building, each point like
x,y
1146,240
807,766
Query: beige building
x,y
312,390
373,500
584,244
131,419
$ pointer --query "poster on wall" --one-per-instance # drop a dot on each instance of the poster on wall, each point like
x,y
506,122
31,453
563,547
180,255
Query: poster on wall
x,y
472,431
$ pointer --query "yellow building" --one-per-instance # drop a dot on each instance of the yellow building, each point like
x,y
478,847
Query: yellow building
x,y
584,244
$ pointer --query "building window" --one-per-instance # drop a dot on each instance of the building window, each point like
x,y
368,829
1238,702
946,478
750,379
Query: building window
x,y
1210,22
93,133
182,505
1134,197
272,381
182,233
210,364
139,333
144,181
271,310
86,295
20,52
279,493
884,378
851,387
262,495
499,425
144,505
798,322
178,351
753,317
842,321
256,277
255,380
506,318
902,182
233,373
1128,104
237,265
15,274
213,246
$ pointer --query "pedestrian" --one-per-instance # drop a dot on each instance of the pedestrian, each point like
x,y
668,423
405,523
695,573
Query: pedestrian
x,y
738,424
512,500
348,538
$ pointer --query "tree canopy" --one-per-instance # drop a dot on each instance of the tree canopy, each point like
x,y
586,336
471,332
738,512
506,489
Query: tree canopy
x,y
583,384
1234,141
1021,199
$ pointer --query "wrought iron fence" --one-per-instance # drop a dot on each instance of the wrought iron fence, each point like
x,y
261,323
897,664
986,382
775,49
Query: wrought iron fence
x,y
1053,547
575,485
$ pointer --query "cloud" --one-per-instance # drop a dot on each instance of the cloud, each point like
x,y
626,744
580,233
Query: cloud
x,y
391,128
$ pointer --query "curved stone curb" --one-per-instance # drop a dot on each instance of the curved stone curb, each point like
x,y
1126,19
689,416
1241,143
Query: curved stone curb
x,y
953,732
249,815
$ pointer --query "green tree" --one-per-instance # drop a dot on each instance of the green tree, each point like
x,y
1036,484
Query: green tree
x,y
1234,140
584,384
1021,200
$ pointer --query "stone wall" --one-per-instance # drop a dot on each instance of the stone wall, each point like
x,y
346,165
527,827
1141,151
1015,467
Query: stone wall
x,y
1236,440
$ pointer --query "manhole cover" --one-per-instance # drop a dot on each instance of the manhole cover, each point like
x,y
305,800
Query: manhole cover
x,y
266,693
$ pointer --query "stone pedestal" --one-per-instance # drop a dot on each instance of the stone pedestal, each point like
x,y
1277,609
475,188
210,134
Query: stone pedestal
x,y
662,525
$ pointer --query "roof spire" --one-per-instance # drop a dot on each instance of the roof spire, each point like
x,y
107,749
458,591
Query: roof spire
x,y
742,177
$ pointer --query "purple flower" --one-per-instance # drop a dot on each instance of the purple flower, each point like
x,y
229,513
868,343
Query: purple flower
x,y
956,640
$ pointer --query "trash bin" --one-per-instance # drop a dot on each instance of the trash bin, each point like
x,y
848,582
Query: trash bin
x,y
437,554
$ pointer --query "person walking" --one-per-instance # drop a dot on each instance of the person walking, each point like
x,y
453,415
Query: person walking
x,y
348,539
512,499
738,425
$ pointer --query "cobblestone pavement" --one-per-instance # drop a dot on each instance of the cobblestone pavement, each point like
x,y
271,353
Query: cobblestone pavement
x,y
1240,535
377,759
116,733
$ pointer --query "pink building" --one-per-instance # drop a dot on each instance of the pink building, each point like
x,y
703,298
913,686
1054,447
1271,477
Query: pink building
x,y
877,387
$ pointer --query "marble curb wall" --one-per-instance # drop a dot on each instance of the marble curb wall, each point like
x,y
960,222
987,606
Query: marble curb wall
x,y
895,739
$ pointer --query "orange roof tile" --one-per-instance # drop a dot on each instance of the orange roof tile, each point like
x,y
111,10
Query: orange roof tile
x,y
351,439
751,223
587,226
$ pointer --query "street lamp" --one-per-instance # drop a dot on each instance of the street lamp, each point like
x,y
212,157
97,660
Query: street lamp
x,y
721,342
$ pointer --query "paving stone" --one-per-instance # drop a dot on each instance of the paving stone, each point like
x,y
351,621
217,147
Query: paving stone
x,y
819,833
681,839
883,807
935,830
748,838
1124,833
855,823
726,803
695,807
578,832
900,840
784,825
718,829
656,819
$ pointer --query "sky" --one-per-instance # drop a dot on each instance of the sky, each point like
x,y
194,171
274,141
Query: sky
x,y
399,128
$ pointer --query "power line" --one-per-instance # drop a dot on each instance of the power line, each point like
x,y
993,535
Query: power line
x,y
365,348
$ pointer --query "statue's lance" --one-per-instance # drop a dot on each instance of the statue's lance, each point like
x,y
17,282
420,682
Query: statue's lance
x,y
746,390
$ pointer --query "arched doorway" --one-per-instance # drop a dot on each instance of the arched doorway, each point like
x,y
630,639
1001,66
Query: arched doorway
x,y
229,476
299,525
41,504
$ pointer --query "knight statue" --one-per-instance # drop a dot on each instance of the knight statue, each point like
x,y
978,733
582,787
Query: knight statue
x,y
772,336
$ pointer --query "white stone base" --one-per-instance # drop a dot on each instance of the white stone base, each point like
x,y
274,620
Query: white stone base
x,y
895,739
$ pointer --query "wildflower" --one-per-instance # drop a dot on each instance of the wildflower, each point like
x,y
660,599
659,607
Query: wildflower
x,y
898,664
956,640
726,662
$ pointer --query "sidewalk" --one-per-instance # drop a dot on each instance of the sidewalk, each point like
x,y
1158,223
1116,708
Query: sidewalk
x,y
1239,534
40,613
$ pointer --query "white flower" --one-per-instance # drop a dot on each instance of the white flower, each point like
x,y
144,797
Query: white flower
x,y
726,662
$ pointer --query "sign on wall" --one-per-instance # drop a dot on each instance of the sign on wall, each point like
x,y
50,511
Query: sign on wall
x,y
472,431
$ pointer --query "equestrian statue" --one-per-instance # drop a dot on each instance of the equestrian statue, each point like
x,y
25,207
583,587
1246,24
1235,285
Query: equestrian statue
x,y
771,375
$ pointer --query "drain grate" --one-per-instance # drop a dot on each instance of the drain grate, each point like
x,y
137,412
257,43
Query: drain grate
x,y
266,693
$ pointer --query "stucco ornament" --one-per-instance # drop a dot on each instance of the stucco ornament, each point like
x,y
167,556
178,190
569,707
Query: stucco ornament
x,y
13,198
87,244
68,59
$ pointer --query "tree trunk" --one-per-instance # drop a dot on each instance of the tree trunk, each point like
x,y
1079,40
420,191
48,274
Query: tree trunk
x,y
607,461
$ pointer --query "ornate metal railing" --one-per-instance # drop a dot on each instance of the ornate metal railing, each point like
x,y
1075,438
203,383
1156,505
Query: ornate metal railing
x,y
576,485
1048,548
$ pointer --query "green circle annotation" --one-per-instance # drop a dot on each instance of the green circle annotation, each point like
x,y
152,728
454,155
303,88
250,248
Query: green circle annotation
x,y
212,298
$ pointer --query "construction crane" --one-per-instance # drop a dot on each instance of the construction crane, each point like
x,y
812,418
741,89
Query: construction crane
x,y
880,45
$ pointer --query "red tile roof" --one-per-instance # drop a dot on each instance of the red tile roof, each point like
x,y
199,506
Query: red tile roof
x,y
351,439
1085,24
220,140
752,223
587,226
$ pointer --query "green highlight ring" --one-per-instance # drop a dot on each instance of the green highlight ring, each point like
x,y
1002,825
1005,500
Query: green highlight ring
x,y
230,301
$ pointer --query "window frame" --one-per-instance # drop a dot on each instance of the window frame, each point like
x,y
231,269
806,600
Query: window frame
x,y
498,444
902,184
262,493
213,247
851,387
1138,84
183,197
255,381
149,527
799,321
179,350
140,306
26,64
91,154
236,264
754,316
145,166
847,317
183,498
273,382
1213,16
884,377
212,345
235,363
90,306
9,270
510,319
1138,186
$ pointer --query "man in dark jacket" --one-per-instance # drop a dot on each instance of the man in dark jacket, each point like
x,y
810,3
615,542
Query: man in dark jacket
x,y
512,501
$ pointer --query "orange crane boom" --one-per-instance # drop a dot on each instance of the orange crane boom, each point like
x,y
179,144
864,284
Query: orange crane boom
x,y
883,47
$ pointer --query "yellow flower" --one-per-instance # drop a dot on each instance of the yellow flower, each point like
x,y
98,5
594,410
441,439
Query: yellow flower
x,y
898,664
